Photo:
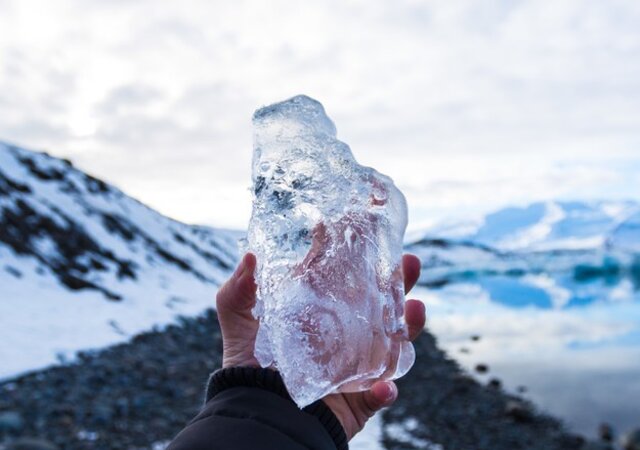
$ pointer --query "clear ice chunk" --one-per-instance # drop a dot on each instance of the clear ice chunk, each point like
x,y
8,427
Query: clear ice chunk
x,y
327,233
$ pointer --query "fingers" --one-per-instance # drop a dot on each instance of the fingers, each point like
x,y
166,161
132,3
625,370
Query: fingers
x,y
238,294
381,395
414,311
411,271
246,285
415,317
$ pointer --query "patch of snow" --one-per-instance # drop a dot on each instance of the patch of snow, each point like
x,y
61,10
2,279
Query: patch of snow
x,y
403,432
370,436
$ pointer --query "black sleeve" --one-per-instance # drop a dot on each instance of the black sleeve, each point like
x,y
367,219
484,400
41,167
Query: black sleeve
x,y
249,408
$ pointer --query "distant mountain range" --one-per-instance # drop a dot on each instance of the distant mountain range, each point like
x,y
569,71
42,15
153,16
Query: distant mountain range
x,y
585,237
83,265
551,226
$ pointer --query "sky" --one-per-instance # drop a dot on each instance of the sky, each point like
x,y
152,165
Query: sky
x,y
469,106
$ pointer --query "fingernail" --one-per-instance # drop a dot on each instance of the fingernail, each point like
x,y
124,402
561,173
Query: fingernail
x,y
391,392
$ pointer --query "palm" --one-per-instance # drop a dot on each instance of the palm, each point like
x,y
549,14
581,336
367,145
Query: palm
x,y
239,328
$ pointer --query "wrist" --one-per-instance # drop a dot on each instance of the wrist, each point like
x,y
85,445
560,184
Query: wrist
x,y
238,354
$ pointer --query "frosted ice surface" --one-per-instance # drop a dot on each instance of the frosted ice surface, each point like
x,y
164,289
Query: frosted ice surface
x,y
327,234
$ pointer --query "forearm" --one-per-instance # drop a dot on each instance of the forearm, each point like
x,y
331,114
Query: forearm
x,y
250,408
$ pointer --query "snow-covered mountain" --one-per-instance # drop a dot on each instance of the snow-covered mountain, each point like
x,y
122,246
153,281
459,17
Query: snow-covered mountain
x,y
82,265
546,226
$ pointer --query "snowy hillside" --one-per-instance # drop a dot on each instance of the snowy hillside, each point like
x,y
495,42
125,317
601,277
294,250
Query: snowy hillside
x,y
83,266
545,226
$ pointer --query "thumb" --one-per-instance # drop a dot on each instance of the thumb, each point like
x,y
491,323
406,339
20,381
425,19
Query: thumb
x,y
381,395
238,294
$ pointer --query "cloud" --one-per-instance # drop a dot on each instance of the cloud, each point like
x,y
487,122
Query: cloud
x,y
433,93
134,96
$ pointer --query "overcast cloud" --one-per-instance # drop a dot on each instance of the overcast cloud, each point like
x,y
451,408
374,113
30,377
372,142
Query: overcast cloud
x,y
468,105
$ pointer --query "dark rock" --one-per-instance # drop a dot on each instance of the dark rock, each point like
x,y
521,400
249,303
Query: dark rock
x,y
518,411
7,185
475,337
495,383
482,368
11,421
95,185
605,432
13,271
521,389
42,173
631,440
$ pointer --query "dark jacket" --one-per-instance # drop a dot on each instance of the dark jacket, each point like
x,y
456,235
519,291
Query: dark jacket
x,y
249,408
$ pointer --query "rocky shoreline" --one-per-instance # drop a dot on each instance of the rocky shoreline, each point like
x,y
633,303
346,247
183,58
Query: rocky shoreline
x,y
440,404
138,395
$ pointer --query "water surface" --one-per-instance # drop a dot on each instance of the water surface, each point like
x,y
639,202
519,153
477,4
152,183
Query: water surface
x,y
573,345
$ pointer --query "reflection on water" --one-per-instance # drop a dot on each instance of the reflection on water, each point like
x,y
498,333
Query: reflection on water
x,y
573,342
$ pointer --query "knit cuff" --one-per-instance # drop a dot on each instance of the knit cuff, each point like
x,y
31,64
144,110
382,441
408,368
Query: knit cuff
x,y
271,380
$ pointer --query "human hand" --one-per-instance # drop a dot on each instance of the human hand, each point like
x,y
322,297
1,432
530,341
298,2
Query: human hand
x,y
355,408
237,297
234,302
